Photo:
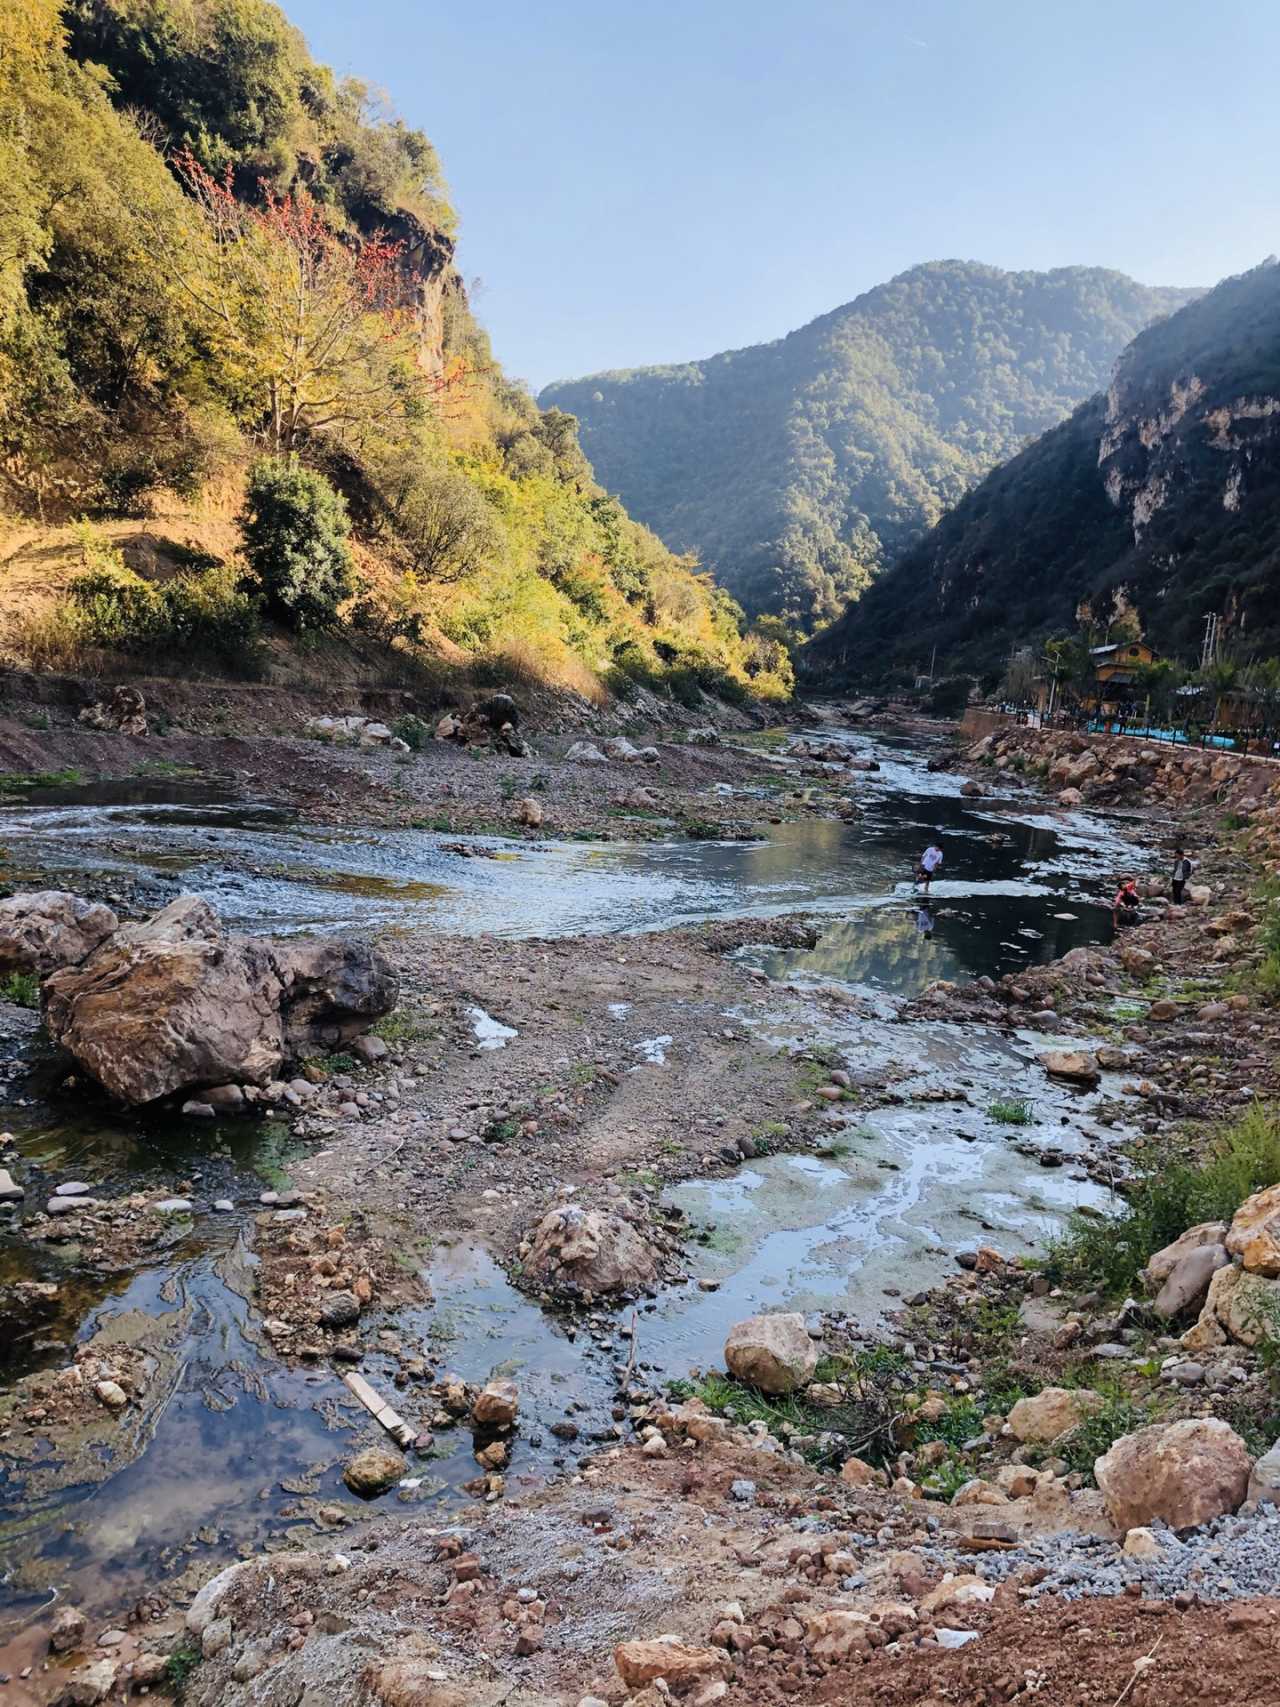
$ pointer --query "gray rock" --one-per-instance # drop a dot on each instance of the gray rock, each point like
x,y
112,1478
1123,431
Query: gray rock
x,y
1188,1283
72,1188
223,1204
89,1684
216,1638
195,1110
173,1206
49,928
67,1630
226,1099
340,1310
69,1205
1188,1374
10,1190
1264,1479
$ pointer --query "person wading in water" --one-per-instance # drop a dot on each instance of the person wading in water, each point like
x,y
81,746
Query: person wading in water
x,y
930,860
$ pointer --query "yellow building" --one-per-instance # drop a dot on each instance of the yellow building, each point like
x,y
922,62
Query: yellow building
x,y
1115,670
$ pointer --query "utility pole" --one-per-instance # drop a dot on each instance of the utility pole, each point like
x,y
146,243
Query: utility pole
x,y
1209,646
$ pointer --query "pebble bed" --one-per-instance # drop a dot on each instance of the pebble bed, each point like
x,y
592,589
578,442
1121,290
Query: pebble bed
x,y
1228,1559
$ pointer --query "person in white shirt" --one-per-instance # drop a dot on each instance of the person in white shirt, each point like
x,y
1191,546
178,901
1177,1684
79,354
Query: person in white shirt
x,y
930,860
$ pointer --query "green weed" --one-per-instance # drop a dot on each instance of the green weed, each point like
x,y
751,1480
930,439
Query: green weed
x,y
401,1026
412,731
19,783
1170,1195
1010,1111
181,1663
1098,1433
701,830
22,989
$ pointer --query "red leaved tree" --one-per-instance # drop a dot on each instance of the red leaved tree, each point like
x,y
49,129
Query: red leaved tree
x,y
315,331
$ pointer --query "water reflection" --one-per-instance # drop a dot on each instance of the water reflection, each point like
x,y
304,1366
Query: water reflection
x,y
1006,873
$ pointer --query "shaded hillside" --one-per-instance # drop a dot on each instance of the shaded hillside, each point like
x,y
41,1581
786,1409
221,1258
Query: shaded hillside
x,y
795,469
1166,486
227,277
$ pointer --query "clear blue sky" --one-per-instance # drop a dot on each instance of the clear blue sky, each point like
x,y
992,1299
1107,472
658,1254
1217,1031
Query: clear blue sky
x,y
651,182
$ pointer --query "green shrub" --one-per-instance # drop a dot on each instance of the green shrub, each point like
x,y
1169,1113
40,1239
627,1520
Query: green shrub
x,y
193,617
1098,1433
1169,1196
413,731
295,537
683,684
22,989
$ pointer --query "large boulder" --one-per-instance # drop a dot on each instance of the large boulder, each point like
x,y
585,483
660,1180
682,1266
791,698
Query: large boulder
x,y
48,929
1188,1285
1239,1306
1254,1234
176,1002
1181,1473
579,1250
1162,1264
773,1353
1264,1479
1053,1412
333,988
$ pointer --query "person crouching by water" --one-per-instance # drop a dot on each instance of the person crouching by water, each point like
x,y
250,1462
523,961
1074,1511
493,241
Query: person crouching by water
x,y
930,860
1124,909
1182,869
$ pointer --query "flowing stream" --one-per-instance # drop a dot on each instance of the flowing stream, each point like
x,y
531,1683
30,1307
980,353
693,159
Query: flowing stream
x,y
236,1452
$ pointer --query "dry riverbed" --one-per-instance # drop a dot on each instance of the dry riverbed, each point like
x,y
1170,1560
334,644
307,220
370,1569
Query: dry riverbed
x,y
587,1074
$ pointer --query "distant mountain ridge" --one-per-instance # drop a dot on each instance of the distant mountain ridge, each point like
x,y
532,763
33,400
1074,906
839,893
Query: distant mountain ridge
x,y
1163,490
796,469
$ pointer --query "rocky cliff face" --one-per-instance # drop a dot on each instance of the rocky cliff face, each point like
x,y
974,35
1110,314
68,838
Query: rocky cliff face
x,y
1145,459
432,284
1162,493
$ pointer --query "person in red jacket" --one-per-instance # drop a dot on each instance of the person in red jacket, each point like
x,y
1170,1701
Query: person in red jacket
x,y
1124,909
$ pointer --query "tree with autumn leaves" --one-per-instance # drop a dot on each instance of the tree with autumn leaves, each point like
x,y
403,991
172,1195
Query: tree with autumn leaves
x,y
315,330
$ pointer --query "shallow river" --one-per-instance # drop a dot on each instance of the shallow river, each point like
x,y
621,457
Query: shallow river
x,y
237,1451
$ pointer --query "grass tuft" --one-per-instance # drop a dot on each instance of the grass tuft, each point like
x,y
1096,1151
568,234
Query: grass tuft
x,y
1171,1194
22,989
1010,1111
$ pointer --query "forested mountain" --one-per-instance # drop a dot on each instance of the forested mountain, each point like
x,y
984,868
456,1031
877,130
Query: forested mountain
x,y
227,290
1161,493
797,468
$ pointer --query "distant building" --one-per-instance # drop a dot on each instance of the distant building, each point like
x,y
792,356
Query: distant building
x,y
1115,673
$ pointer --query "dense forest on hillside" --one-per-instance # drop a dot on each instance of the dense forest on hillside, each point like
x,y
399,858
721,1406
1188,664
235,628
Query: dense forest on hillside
x,y
797,468
224,271
1161,494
